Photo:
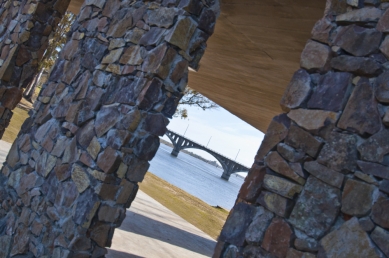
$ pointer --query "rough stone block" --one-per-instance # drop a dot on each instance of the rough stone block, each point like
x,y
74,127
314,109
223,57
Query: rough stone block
x,y
381,238
182,32
290,153
362,66
381,88
325,174
293,253
364,193
316,209
278,238
297,91
350,240
300,139
109,160
363,15
281,186
274,161
383,23
313,120
374,169
252,185
380,212
261,220
315,56
276,203
375,147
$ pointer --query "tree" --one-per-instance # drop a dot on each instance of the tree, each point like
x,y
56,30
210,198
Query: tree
x,y
193,98
56,42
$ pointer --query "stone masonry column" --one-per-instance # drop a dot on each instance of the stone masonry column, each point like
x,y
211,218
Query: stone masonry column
x,y
25,27
320,181
76,164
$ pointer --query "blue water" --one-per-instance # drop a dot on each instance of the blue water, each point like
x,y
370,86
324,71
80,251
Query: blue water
x,y
196,177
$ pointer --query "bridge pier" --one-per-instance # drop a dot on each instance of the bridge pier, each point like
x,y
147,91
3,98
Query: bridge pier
x,y
175,152
225,176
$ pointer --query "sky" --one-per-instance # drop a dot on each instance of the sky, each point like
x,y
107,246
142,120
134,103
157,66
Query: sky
x,y
228,134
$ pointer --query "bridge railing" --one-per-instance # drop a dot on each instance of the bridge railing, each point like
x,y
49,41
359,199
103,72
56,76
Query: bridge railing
x,y
168,130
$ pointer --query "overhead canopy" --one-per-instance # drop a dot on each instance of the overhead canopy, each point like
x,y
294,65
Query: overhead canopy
x,y
253,54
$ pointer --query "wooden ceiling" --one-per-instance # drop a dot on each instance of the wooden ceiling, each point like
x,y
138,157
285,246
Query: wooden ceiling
x,y
253,54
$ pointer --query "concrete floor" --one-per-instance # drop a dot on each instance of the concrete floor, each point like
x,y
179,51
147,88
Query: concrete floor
x,y
152,230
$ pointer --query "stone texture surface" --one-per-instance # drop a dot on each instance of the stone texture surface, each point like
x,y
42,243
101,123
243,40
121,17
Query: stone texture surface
x,y
316,209
312,120
315,56
362,66
380,213
375,147
348,241
366,194
297,91
325,174
301,139
281,186
381,238
258,226
278,164
277,238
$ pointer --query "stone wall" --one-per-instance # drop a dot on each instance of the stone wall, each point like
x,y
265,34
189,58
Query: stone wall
x,y
24,33
76,164
320,181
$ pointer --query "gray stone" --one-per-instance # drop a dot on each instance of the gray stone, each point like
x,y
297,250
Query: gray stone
x,y
374,169
325,174
366,224
385,47
315,56
381,238
354,190
276,132
261,220
366,178
331,92
322,30
316,209
297,91
161,17
293,253
375,147
363,66
358,41
383,23
281,186
237,224
181,33
361,112
276,203
384,186
381,88
300,139
350,240
340,152
306,244
290,153
106,118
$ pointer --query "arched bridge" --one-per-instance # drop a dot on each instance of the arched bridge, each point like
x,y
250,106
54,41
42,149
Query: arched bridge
x,y
180,143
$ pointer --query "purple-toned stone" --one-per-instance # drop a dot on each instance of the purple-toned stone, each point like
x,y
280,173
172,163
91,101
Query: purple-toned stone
x,y
380,211
109,160
364,193
322,30
357,40
361,112
383,23
316,209
362,66
363,15
382,87
315,56
376,147
374,169
325,174
331,92
300,139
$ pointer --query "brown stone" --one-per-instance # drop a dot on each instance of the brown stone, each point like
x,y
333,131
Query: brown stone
x,y
293,253
156,124
380,212
381,88
80,178
100,233
274,161
363,15
109,160
281,186
94,148
315,56
340,152
86,134
121,22
325,174
358,41
364,193
135,35
385,47
261,220
366,178
150,38
276,132
111,8
350,240
381,238
383,23
252,185
312,120
316,209
275,203
154,58
300,139
130,121
331,92
362,66
376,147
238,221
191,6
109,214
182,32
290,153
127,193
322,30
297,91
11,98
118,138
21,240
278,238
361,113
150,94
306,244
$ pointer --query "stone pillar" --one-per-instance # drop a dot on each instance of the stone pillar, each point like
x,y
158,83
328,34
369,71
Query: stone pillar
x,y
24,33
75,166
320,182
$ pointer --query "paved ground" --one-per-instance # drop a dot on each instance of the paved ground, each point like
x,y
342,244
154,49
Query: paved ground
x,y
152,230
